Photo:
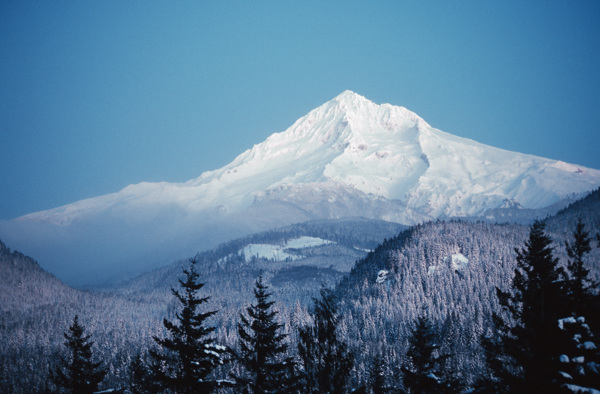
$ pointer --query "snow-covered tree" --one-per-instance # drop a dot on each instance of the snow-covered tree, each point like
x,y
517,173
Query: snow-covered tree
x,y
326,360
141,376
422,371
579,368
580,289
77,372
377,383
522,358
266,367
190,353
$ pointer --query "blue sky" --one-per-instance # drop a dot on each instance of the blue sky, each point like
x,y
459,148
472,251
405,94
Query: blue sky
x,y
97,95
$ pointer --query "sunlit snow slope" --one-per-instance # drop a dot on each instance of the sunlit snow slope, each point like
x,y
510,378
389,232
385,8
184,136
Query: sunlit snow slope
x,y
352,148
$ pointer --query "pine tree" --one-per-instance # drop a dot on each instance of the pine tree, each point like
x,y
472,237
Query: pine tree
x,y
452,342
141,377
377,381
579,368
580,288
189,355
422,372
326,359
77,372
263,349
522,358
580,357
499,366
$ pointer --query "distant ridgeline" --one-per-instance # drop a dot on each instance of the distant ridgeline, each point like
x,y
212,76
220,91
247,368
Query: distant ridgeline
x,y
447,271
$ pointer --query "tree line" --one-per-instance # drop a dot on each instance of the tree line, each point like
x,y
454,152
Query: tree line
x,y
543,338
187,359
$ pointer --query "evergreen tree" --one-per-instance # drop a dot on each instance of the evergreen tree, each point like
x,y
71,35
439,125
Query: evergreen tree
x,y
579,369
499,366
580,288
77,372
580,358
422,372
453,339
326,359
189,354
377,381
523,358
141,377
263,349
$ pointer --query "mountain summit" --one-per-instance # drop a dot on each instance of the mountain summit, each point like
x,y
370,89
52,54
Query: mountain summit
x,y
348,157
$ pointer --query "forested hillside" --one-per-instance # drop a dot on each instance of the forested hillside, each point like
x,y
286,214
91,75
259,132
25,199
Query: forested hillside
x,y
37,308
447,270
25,285
441,274
35,311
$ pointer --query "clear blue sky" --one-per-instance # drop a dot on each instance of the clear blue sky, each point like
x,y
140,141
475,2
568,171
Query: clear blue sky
x,y
96,95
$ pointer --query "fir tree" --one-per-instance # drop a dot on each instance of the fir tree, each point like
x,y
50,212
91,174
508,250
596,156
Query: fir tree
x,y
452,341
263,349
189,354
523,358
377,381
579,368
580,288
77,372
422,372
499,366
580,359
141,377
326,359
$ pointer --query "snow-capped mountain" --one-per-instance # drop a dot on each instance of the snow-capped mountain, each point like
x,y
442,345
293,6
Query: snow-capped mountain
x,y
352,146
348,157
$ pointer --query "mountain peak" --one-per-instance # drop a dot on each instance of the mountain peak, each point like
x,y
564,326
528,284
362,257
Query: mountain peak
x,y
351,103
354,108
340,125
350,97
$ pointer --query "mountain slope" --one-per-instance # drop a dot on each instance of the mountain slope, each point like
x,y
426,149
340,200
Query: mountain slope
x,y
348,157
354,145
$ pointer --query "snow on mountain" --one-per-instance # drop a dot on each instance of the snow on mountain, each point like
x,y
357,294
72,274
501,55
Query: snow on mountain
x,y
281,252
352,145
348,157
